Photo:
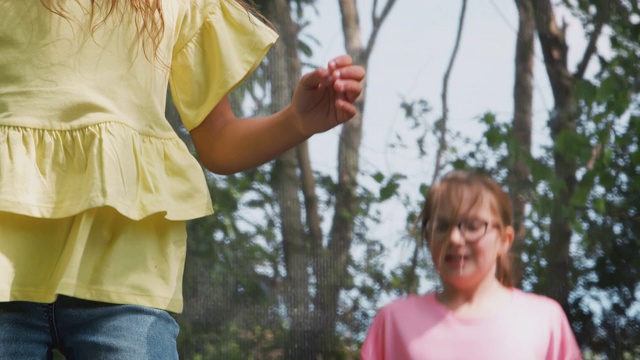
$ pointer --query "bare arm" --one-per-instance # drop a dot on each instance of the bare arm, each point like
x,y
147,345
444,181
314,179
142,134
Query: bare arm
x,y
323,99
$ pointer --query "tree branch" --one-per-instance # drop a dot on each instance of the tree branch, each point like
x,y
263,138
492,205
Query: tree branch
x,y
601,17
441,125
554,48
377,23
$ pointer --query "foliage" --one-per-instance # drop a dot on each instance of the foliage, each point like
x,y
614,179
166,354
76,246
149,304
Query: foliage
x,y
611,225
605,276
235,300
235,271
605,249
605,299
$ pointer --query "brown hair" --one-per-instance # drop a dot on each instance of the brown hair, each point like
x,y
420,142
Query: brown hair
x,y
449,188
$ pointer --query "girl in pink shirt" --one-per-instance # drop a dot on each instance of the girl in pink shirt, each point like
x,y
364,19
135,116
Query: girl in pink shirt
x,y
467,223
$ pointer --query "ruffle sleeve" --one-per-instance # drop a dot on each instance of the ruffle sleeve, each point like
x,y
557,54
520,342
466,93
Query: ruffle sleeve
x,y
216,50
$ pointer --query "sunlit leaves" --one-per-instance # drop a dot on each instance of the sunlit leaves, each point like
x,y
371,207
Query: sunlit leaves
x,y
388,185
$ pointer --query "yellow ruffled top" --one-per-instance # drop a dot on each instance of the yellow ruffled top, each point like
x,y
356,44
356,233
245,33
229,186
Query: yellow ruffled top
x,y
82,114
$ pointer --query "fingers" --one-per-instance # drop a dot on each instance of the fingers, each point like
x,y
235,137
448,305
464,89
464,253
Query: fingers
x,y
315,79
350,89
348,81
341,77
353,72
339,62
342,67
347,78
345,109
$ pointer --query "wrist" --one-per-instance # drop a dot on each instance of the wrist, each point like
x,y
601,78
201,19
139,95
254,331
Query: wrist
x,y
295,123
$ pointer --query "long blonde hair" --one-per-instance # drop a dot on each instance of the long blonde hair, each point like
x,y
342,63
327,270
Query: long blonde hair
x,y
149,17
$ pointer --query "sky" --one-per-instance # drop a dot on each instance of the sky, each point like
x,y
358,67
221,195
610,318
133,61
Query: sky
x,y
409,61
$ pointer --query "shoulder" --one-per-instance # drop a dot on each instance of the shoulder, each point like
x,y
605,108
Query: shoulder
x,y
406,302
191,14
407,309
395,324
541,313
202,8
547,329
218,19
191,11
544,311
535,302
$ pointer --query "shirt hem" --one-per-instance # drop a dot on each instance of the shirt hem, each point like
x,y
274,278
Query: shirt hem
x,y
174,305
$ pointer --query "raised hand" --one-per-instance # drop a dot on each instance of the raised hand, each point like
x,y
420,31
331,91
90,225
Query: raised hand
x,y
325,98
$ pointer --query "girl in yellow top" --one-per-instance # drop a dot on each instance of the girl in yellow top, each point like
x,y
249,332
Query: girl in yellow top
x,y
96,187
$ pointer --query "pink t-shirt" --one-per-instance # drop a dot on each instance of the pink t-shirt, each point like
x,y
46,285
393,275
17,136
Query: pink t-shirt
x,y
419,327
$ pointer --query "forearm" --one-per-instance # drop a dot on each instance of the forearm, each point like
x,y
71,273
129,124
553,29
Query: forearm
x,y
231,145
323,99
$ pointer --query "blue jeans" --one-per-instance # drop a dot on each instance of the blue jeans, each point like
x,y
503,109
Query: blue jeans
x,y
82,329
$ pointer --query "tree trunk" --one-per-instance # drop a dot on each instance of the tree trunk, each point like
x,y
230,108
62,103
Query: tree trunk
x,y
312,331
561,123
519,171
285,70
332,270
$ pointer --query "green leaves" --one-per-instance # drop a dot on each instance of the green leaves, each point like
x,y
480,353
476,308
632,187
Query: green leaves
x,y
388,185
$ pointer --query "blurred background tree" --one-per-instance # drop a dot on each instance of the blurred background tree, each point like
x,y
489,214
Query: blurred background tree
x,y
288,267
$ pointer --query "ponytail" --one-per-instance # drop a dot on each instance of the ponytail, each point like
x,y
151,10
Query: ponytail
x,y
503,270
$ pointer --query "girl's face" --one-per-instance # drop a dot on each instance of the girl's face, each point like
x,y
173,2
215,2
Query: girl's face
x,y
467,237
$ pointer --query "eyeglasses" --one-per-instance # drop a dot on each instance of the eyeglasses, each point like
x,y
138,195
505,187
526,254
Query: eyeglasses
x,y
470,230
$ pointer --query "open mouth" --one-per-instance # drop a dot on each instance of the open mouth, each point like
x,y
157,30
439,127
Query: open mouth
x,y
456,258
456,262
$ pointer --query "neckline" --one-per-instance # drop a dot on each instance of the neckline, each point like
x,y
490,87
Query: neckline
x,y
450,314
